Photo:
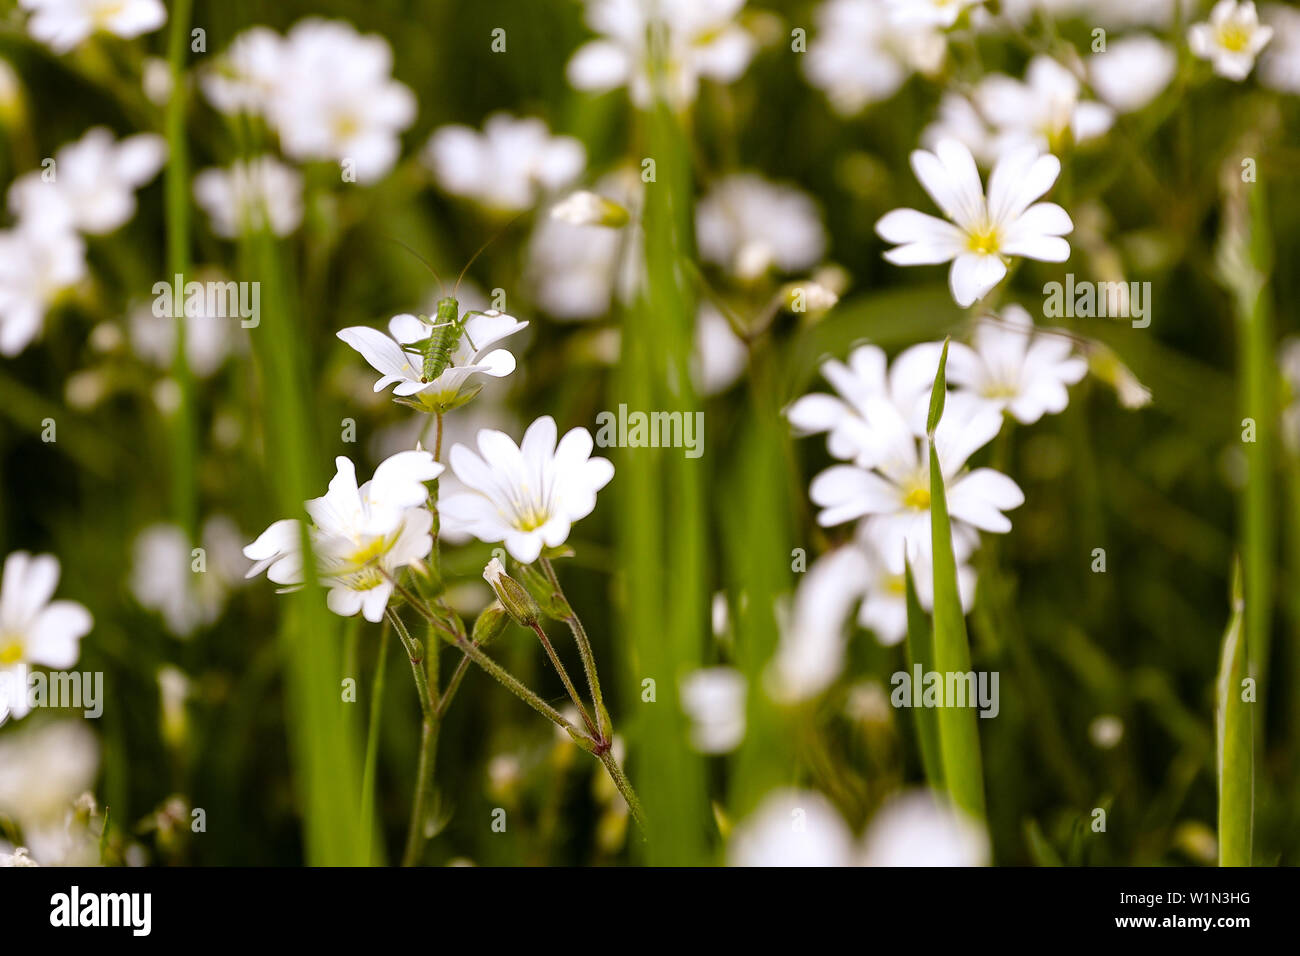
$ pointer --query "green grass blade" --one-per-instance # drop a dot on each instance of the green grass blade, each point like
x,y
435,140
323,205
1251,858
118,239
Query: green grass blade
x,y
1235,735
959,740
920,650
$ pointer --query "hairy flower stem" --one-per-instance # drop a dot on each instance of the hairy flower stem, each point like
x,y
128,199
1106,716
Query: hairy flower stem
x,y
604,731
428,744
372,745
624,787
564,676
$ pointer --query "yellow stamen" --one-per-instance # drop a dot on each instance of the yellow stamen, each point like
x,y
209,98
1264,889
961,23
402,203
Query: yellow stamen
x,y
918,498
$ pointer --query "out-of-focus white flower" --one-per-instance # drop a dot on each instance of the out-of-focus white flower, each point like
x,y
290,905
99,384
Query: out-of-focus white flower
x,y
720,357
1280,66
63,24
93,186
937,13
209,339
507,166
156,80
959,119
527,495
361,537
884,589
188,590
1231,39
1106,731
714,700
1132,71
387,354
1113,14
33,628
701,40
43,770
244,78
585,208
36,268
249,195
1013,369
18,857
792,828
1041,110
575,271
982,233
861,55
915,829
748,226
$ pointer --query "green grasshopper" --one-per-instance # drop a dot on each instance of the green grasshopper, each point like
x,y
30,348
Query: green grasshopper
x,y
436,350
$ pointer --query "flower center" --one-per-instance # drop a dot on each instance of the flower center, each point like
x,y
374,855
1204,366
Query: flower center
x,y
11,649
917,498
1234,37
984,239
999,390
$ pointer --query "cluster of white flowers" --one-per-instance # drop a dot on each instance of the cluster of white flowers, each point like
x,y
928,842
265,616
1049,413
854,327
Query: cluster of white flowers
x,y
64,24
326,90
87,187
876,425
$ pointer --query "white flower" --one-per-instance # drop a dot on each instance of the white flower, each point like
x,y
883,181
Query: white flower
x,y
575,271
1042,109
792,828
884,589
896,492
1132,71
844,416
246,75
250,195
719,357
982,233
209,339
585,208
336,99
1013,369
959,119
714,700
507,166
527,495
361,537
36,268
17,858
916,829
860,55
44,768
387,354
1280,66
164,576
748,225
94,183
939,13
63,24
701,40
34,629
1231,39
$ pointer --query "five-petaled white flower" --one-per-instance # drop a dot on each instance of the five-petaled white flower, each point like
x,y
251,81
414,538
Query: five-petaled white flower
x,y
93,189
1040,110
983,232
701,39
34,629
1231,39
63,24
506,167
452,387
527,495
1012,368
361,537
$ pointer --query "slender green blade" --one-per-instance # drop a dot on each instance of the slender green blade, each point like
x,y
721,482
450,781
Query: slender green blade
x,y
1235,733
920,651
959,741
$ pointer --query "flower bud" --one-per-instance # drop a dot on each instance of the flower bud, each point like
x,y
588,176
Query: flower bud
x,y
514,597
490,624
585,208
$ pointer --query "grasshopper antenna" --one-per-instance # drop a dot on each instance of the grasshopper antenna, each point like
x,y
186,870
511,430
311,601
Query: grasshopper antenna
x,y
425,262
491,239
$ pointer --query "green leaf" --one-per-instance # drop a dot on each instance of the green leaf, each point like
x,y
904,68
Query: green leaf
x,y
920,650
1236,744
939,394
959,740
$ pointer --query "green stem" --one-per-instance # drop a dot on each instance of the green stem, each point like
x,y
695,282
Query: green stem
x,y
564,676
624,787
423,791
453,685
415,652
372,745
603,729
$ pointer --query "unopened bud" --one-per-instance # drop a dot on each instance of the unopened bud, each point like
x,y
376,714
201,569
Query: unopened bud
x,y
490,624
514,597
585,208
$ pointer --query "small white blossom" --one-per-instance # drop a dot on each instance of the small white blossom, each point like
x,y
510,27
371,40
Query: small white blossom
x,y
527,495
44,768
36,269
792,828
916,829
1132,71
748,226
585,208
1231,39
938,13
714,700
63,24
983,233
1042,110
1280,66
361,536
245,77
508,166
249,195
